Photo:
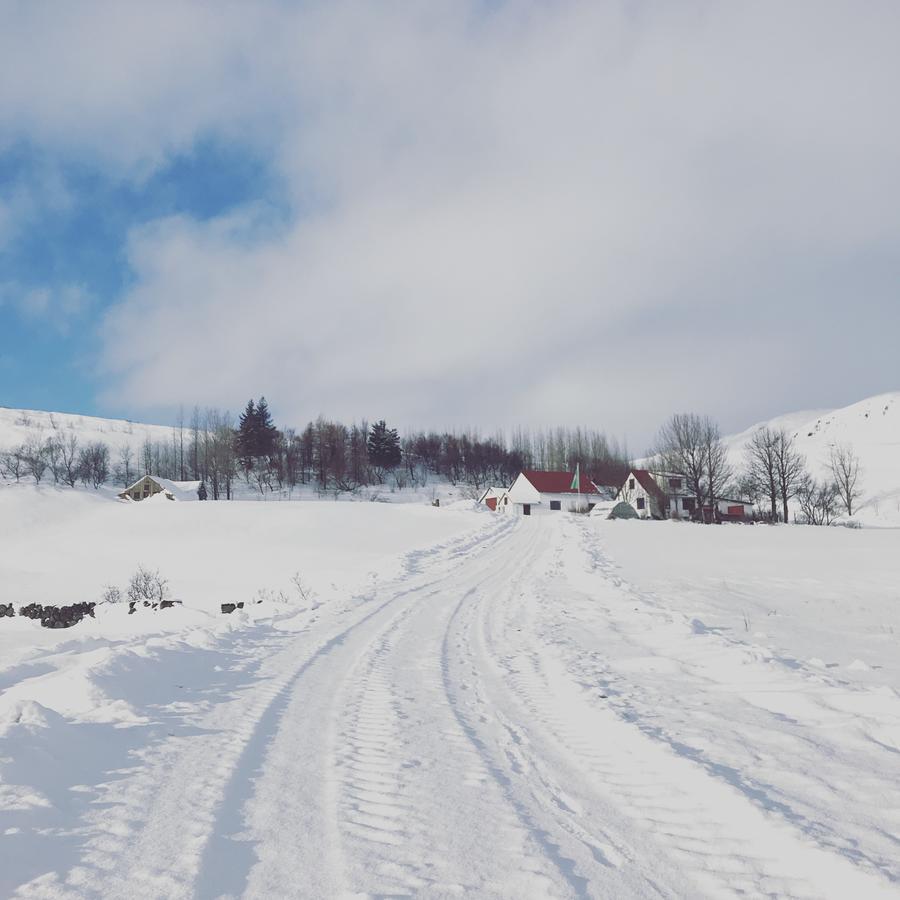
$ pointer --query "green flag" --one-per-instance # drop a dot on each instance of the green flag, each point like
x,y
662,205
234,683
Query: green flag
x,y
576,479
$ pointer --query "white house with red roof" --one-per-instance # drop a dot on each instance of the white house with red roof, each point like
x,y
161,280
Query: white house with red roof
x,y
535,492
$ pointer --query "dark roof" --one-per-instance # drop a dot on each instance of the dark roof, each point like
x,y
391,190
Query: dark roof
x,y
558,482
648,483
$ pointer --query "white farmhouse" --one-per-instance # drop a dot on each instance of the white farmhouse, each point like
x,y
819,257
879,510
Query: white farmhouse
x,y
544,492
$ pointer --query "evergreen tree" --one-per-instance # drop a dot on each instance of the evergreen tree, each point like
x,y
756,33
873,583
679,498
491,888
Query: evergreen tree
x,y
383,446
245,439
201,491
266,434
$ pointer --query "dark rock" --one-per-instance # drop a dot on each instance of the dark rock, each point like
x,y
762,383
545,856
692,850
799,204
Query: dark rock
x,y
228,607
65,616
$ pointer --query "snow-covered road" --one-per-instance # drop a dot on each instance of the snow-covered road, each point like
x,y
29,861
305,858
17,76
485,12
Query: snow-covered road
x,y
507,718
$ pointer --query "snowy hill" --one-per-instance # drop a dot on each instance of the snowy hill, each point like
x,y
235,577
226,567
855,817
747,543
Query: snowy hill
x,y
19,425
871,427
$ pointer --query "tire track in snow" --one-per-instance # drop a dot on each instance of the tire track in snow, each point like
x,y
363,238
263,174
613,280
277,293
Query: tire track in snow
x,y
420,813
709,830
589,861
292,816
812,759
155,838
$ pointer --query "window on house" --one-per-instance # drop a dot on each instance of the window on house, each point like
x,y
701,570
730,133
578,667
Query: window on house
x,y
555,504
630,484
687,504
640,502
675,484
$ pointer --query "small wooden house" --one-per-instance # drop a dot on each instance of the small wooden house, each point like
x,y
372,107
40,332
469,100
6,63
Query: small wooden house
x,y
151,485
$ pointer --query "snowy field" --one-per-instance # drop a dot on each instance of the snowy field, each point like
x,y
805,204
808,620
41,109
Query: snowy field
x,y
463,704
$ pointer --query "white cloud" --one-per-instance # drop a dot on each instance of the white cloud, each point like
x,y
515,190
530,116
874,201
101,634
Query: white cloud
x,y
576,211
55,307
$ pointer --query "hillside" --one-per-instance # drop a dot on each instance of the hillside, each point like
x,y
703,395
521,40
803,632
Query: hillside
x,y
19,425
871,427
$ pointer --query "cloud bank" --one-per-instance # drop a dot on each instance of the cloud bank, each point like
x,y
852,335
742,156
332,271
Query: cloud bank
x,y
592,213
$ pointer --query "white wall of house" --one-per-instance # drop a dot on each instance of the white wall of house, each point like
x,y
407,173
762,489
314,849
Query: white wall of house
x,y
645,504
523,493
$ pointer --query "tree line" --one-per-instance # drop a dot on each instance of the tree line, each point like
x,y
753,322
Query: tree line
x,y
214,449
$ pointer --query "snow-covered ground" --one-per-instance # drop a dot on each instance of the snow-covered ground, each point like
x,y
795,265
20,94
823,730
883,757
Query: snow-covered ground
x,y
466,704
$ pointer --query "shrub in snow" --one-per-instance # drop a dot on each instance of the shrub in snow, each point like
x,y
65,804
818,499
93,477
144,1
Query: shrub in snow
x,y
147,586
304,592
111,594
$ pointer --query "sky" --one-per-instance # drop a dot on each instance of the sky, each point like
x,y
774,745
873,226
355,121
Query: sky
x,y
450,214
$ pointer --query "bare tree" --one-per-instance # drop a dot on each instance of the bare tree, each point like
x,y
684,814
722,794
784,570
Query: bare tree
x,y
691,446
12,463
125,472
790,467
845,471
35,456
180,426
718,468
93,464
68,459
681,450
818,501
761,463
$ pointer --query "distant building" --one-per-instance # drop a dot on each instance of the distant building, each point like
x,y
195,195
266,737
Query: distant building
x,y
658,495
544,492
662,495
490,497
150,485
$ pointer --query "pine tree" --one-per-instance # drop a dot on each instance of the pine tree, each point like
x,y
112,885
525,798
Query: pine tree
x,y
201,491
266,435
383,446
245,439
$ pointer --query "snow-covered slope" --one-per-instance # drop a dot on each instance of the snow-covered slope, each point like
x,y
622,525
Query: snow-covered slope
x,y
20,425
871,427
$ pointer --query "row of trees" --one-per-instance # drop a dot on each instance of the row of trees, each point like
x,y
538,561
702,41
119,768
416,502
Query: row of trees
x,y
61,459
213,449
773,474
331,456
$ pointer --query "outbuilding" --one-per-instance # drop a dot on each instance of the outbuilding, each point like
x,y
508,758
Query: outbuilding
x,y
151,485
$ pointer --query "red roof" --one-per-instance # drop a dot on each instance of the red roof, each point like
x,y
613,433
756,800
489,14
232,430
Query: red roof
x,y
558,482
